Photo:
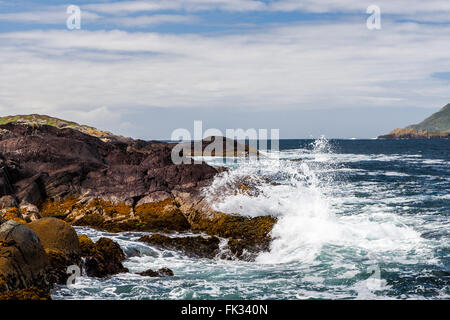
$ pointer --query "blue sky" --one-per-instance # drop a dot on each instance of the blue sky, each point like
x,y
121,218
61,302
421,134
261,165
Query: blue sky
x,y
306,67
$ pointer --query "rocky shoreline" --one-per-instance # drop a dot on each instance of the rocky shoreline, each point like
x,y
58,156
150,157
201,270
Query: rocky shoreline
x,y
54,178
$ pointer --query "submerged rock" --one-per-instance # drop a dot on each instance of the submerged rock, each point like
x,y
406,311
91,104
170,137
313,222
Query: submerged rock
x,y
163,272
103,258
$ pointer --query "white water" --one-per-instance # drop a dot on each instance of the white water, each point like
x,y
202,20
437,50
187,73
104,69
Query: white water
x,y
309,204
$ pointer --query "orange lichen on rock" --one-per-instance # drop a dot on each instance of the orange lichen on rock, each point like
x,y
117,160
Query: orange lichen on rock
x,y
110,218
32,293
12,214
161,216
97,213
86,245
59,262
246,189
58,209
249,234
109,209
243,187
227,225
102,258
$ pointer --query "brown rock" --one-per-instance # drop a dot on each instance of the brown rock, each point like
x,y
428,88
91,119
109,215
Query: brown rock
x,y
249,234
23,261
56,234
61,244
12,214
103,258
156,196
161,216
32,293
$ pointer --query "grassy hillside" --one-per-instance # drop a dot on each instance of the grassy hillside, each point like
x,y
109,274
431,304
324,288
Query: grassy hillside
x,y
437,122
435,126
37,119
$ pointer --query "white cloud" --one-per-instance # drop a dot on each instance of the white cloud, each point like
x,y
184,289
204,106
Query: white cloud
x,y
121,13
58,16
51,15
310,65
146,20
402,7
188,5
97,77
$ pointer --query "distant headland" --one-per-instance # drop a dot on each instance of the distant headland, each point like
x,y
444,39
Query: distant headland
x,y
436,126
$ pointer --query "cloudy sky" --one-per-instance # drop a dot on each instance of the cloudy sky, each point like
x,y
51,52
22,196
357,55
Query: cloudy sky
x,y
307,67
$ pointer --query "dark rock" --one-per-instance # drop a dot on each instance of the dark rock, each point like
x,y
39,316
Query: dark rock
x,y
163,272
46,165
60,162
6,187
23,261
103,258
132,252
30,190
192,246
217,146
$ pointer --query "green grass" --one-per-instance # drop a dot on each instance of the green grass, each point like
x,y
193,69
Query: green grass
x,y
37,118
438,122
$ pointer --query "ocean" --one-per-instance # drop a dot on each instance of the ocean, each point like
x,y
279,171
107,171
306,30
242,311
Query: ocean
x,y
357,219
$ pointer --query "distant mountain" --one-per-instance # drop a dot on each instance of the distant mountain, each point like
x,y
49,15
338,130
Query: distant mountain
x,y
37,120
435,126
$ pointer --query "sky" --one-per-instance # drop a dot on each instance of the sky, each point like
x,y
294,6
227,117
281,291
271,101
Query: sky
x,y
305,67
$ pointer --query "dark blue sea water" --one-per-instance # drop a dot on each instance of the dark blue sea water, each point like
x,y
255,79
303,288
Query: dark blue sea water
x,y
357,219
